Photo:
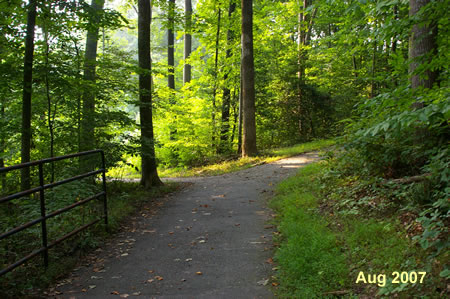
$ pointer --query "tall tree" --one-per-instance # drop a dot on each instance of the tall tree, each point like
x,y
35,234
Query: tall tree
x,y
171,59
226,98
87,139
170,44
149,175
248,81
216,65
187,40
27,92
422,43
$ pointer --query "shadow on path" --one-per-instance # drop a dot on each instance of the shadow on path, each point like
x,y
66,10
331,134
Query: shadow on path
x,y
210,240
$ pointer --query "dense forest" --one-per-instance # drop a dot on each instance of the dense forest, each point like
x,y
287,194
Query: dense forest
x,y
178,84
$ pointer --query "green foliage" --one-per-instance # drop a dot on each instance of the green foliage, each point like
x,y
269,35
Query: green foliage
x,y
309,259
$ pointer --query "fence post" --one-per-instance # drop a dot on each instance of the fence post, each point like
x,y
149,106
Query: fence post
x,y
105,207
44,220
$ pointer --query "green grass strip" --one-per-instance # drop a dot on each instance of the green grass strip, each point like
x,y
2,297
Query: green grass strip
x,y
309,257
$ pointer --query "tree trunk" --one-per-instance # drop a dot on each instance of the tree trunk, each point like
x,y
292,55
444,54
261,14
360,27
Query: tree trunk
x,y
300,68
50,121
422,43
248,81
2,148
373,84
239,150
216,65
149,176
187,41
226,99
88,99
171,60
170,45
27,92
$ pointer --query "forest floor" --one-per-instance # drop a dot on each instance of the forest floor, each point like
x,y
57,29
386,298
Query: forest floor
x,y
209,240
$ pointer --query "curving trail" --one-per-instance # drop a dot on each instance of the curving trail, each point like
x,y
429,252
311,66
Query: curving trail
x,y
210,240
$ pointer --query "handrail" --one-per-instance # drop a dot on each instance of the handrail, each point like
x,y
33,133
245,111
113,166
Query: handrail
x,y
43,219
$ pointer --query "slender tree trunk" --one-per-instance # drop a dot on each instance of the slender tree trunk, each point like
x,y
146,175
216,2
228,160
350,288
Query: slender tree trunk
x,y
49,101
226,98
216,65
170,45
27,92
2,148
248,81
235,114
300,70
149,176
239,151
373,83
187,41
394,39
171,61
422,43
88,121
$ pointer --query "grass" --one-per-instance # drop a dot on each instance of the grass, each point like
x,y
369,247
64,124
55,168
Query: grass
x,y
124,200
321,252
230,165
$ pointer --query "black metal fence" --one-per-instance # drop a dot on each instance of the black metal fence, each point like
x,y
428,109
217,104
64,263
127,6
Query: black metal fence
x,y
42,220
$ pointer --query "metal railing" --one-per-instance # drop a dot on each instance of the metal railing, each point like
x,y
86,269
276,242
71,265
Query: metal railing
x,y
44,216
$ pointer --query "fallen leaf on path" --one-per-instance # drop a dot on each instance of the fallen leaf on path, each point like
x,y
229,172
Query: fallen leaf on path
x,y
124,296
136,293
263,282
93,286
149,231
170,233
83,290
115,293
199,273
150,280
269,260
218,196
275,284
188,260
151,271
237,224
202,241
124,254
159,277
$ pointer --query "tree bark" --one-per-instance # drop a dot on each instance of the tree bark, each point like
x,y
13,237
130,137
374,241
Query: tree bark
x,y
171,61
422,43
149,175
216,66
88,98
187,41
27,93
50,120
248,81
2,147
170,45
226,98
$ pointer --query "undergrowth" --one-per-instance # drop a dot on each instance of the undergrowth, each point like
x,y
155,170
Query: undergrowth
x,y
222,164
332,228
124,199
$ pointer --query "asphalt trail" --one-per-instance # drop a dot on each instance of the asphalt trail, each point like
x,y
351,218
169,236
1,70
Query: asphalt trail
x,y
210,240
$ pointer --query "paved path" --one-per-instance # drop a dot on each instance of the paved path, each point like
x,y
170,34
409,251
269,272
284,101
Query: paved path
x,y
210,240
